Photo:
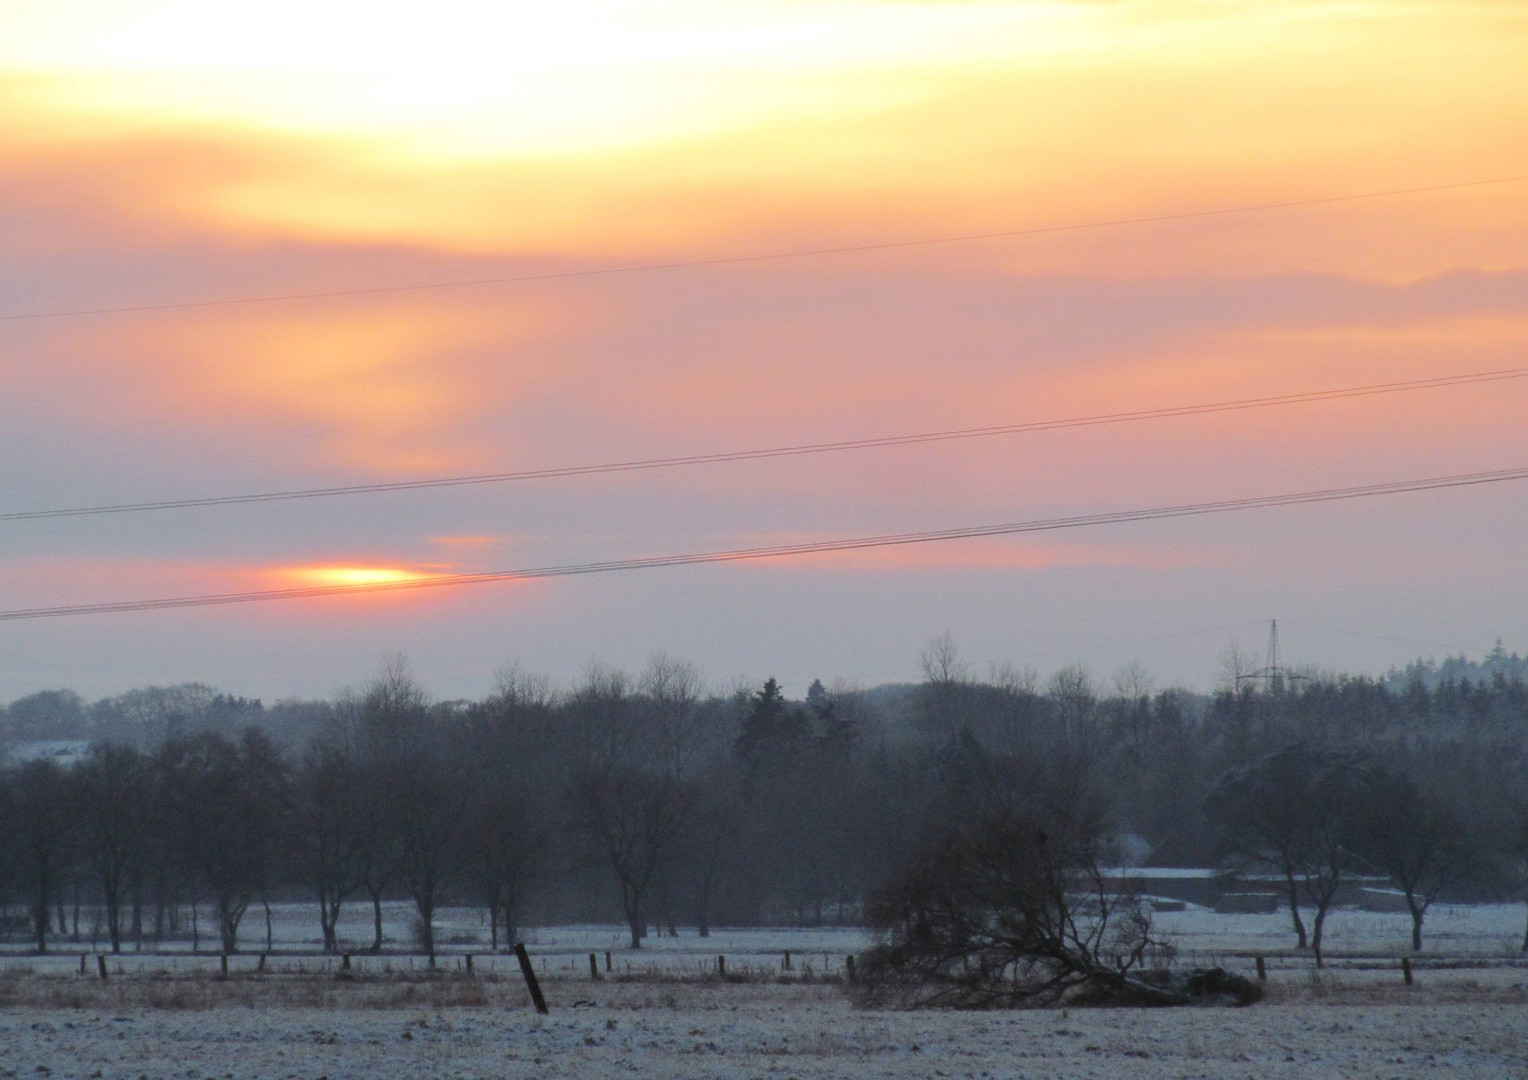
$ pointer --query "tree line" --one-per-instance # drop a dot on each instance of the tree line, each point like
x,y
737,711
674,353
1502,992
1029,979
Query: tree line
x,y
654,801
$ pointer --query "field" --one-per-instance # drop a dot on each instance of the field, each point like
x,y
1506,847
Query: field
x,y
665,1011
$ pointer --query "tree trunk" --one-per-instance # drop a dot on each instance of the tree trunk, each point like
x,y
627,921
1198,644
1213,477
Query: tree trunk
x,y
40,922
160,912
1418,913
427,924
114,920
327,917
510,927
631,901
1294,910
1316,930
376,914
228,926
703,889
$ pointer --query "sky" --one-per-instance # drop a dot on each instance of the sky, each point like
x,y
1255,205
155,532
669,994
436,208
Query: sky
x,y
171,153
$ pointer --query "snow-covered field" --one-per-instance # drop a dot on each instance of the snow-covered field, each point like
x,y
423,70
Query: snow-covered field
x,y
763,1030
664,1013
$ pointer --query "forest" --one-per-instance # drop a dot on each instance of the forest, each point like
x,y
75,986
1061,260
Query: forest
x,y
648,800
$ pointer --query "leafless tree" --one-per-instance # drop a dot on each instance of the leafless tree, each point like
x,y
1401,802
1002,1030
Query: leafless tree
x,y
507,852
43,805
427,812
632,819
1074,697
517,690
672,690
1292,811
603,725
324,838
1237,667
226,803
941,696
393,717
1422,843
116,794
709,827
1007,904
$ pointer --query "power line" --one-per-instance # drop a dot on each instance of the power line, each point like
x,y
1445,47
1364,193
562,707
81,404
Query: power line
x,y
1303,397
787,550
732,260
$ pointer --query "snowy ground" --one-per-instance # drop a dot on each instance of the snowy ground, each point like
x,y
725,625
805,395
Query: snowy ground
x,y
1487,933
764,1030
662,1012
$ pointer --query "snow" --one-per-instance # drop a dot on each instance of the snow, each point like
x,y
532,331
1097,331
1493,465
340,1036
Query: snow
x,y
761,1031
669,1016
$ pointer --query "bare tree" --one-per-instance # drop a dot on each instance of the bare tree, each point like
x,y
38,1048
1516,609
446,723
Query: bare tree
x,y
602,725
709,827
115,806
1074,697
1412,836
1006,903
376,846
1133,681
384,727
428,811
393,717
1291,811
516,690
226,803
632,818
1237,667
43,804
941,696
324,835
507,854
672,689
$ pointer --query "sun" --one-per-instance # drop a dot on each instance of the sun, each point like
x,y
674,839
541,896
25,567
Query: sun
x,y
356,576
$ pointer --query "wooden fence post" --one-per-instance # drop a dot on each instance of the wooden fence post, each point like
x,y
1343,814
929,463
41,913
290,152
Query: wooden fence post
x,y
344,961
607,961
530,977
849,968
261,965
469,963
1262,970
594,968
787,959
82,963
1406,969
101,964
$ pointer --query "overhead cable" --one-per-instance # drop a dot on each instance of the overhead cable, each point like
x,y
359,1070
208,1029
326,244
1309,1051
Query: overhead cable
x,y
1303,397
886,540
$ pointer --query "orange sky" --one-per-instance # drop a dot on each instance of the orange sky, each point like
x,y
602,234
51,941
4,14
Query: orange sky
x,y
158,152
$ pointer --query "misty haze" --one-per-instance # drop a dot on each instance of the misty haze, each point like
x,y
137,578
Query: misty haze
x,y
852,538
